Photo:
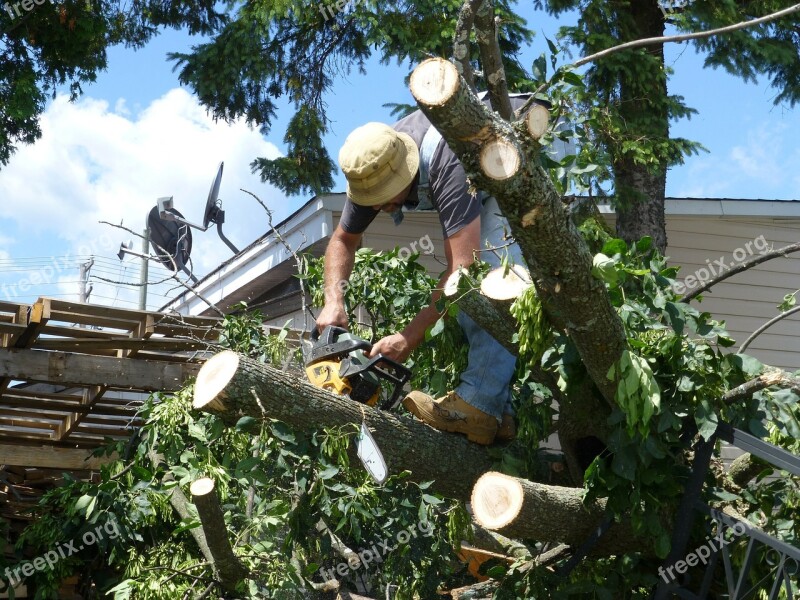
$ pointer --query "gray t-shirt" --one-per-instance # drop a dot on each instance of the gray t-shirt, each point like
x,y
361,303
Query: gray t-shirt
x,y
448,186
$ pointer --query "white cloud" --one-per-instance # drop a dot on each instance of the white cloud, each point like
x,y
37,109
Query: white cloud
x,y
96,163
763,165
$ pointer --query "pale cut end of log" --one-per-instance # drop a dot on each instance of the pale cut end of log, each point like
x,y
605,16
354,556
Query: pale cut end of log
x,y
500,160
202,487
212,378
496,500
501,285
452,281
537,120
434,81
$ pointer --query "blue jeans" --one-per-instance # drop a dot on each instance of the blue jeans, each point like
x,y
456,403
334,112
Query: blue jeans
x,y
490,367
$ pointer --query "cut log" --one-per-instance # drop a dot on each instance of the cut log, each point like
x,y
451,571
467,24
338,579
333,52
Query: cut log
x,y
522,509
554,250
229,568
181,505
233,386
537,120
500,160
500,325
506,284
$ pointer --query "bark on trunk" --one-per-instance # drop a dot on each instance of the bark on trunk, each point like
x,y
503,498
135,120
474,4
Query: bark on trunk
x,y
557,256
516,508
640,190
229,568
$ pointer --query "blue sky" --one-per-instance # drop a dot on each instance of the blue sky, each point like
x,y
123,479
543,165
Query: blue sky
x,y
137,135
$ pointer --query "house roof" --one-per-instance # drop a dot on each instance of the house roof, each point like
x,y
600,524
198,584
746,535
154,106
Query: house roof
x,y
266,262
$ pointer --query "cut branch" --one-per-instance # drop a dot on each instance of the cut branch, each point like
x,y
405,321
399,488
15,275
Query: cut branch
x,y
181,505
536,120
522,509
229,568
554,250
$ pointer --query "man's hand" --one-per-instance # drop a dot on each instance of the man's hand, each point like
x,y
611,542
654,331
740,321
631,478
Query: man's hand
x,y
394,346
332,314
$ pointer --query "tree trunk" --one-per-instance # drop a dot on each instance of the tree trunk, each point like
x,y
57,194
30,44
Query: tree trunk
x,y
554,250
229,568
640,189
522,509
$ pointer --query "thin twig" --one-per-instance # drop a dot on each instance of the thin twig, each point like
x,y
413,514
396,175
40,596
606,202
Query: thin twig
x,y
766,326
291,251
757,260
688,36
174,267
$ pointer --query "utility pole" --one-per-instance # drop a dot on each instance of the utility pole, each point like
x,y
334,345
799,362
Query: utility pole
x,y
85,289
143,272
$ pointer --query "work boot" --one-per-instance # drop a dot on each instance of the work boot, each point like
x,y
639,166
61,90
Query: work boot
x,y
507,430
451,413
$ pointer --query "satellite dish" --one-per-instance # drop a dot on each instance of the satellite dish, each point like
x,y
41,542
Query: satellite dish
x,y
212,211
212,214
171,240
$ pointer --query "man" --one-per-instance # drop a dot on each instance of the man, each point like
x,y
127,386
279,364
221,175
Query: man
x,y
411,166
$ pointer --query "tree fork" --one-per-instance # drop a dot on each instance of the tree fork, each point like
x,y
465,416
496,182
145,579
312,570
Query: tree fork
x,y
554,250
227,565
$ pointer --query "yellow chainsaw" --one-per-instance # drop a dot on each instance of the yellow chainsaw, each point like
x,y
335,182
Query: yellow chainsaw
x,y
336,362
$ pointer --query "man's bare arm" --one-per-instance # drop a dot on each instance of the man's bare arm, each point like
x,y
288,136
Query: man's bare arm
x,y
339,257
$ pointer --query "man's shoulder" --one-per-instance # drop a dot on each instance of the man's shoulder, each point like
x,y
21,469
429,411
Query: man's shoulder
x,y
415,125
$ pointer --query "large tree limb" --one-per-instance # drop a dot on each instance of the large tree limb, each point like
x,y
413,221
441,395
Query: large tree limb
x,y
768,379
523,509
504,161
229,568
233,386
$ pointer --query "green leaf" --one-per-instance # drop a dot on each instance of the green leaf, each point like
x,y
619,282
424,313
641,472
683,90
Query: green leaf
x,y
750,366
706,420
604,269
663,545
624,464
437,328
245,423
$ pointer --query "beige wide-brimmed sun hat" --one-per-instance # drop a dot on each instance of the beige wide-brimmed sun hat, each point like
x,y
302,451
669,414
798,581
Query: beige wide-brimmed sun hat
x,y
378,163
